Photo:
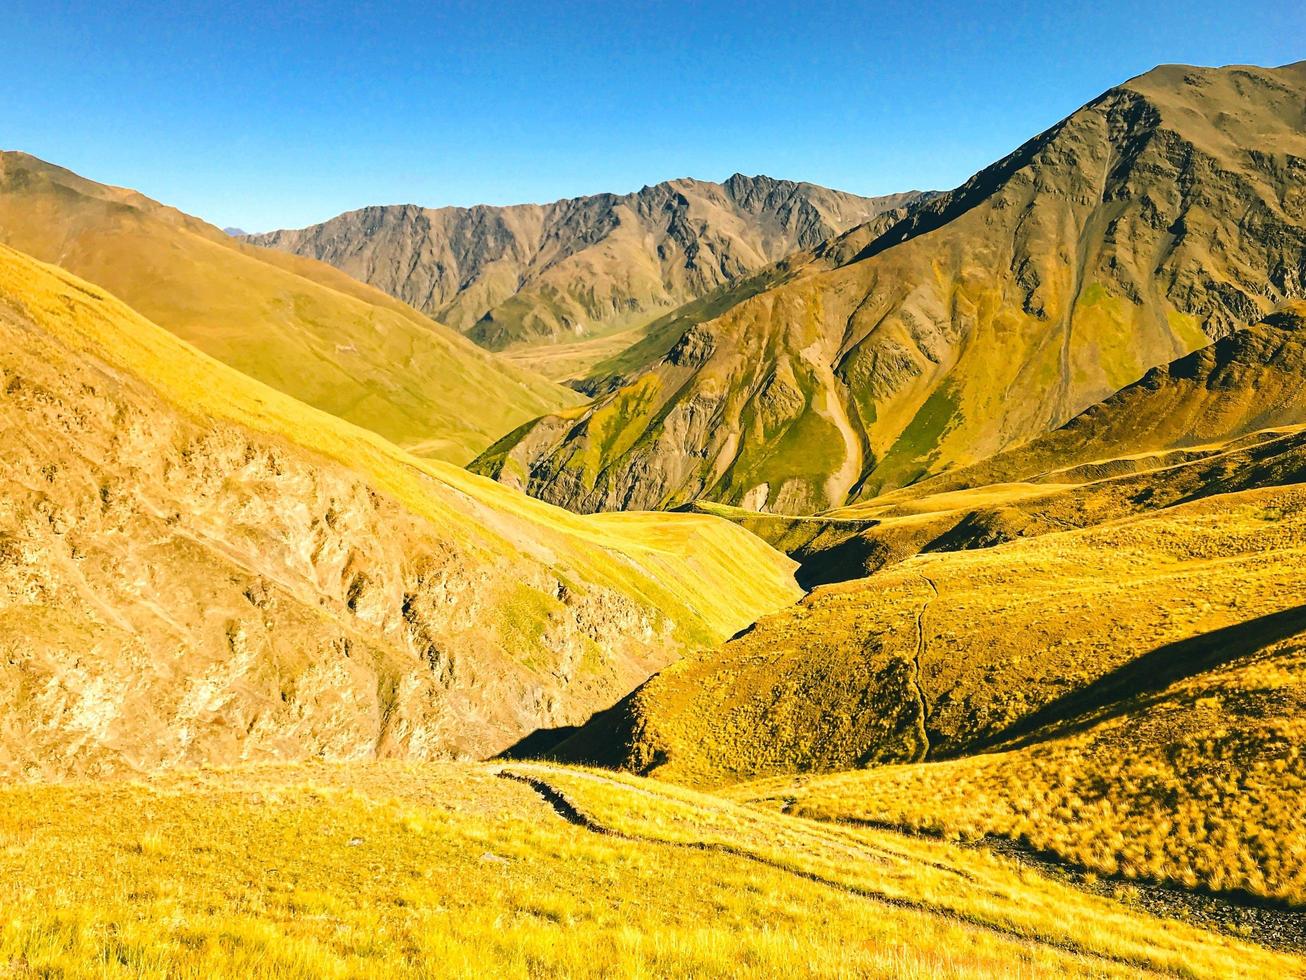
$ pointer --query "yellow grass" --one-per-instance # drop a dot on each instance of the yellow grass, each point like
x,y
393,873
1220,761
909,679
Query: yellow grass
x,y
989,637
393,869
295,324
1200,784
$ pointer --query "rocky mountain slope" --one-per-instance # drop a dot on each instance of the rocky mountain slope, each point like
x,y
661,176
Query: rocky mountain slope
x,y
531,273
293,323
1160,216
195,568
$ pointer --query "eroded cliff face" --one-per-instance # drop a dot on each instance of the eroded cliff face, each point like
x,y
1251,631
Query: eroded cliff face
x,y
532,273
195,569
1160,216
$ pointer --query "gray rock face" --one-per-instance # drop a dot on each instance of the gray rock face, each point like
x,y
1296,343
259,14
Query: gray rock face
x,y
529,272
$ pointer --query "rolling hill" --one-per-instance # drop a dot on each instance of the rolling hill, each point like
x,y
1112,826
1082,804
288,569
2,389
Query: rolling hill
x,y
1189,775
548,273
1125,698
297,325
1162,215
196,568
942,653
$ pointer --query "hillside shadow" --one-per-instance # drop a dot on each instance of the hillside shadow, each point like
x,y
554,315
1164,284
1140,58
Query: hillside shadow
x,y
538,744
855,558
1110,696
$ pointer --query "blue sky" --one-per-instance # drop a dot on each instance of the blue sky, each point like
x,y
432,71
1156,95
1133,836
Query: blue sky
x,y
269,115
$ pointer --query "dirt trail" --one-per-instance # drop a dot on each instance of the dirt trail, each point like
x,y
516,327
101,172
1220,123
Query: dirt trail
x,y
921,645
568,811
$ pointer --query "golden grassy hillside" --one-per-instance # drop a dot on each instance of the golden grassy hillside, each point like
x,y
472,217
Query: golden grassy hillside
x,y
1248,381
946,653
295,324
855,541
195,567
1114,241
1184,772
390,869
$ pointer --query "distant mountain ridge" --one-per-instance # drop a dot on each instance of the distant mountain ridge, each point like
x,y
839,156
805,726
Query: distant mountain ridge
x,y
541,272
1163,214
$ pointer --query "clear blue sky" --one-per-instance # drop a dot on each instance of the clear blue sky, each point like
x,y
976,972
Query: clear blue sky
x,y
271,114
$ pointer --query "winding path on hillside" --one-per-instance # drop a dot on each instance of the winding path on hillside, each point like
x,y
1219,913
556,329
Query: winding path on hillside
x,y
569,811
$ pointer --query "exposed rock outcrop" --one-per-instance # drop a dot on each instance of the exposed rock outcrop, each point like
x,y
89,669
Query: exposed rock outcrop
x,y
197,569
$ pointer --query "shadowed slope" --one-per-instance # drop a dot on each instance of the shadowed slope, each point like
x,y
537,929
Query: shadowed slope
x,y
295,324
196,568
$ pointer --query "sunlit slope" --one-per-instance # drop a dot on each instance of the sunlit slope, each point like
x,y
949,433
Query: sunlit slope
x,y
398,870
943,654
1185,767
1165,213
1250,380
293,323
194,567
1227,417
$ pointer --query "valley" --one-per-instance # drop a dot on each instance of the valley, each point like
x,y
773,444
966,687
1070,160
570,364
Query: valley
x,y
720,579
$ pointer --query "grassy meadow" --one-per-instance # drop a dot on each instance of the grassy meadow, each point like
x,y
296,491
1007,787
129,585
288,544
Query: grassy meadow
x,y
392,869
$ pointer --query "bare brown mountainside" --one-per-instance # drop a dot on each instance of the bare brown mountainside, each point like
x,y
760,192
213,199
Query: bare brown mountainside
x,y
546,272
195,568
296,324
1160,216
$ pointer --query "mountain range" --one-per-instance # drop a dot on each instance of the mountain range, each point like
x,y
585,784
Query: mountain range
x,y
543,273
1160,216
897,587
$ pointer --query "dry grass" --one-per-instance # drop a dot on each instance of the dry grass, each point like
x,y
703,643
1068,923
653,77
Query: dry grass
x,y
942,653
392,869
1202,784
297,325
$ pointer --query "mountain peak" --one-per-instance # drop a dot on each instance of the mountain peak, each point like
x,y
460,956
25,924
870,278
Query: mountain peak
x,y
1165,213
535,274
